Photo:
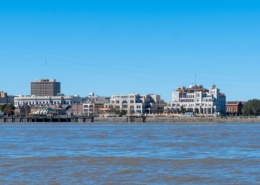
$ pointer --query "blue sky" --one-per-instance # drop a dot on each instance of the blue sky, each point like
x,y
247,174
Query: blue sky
x,y
120,47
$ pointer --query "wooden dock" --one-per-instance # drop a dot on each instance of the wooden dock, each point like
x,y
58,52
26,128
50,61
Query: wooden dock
x,y
47,119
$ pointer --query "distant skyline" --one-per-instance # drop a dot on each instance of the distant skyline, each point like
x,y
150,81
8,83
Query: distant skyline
x,y
121,47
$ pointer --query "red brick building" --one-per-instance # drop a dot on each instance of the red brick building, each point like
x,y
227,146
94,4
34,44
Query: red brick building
x,y
234,107
77,109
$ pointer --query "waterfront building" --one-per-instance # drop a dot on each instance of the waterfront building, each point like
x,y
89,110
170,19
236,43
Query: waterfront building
x,y
94,103
199,100
45,87
134,103
77,109
24,110
5,98
234,107
48,100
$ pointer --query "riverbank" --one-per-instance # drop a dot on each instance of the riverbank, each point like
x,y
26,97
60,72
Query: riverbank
x,y
178,119
138,119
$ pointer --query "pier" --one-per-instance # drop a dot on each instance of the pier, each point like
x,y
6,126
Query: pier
x,y
47,119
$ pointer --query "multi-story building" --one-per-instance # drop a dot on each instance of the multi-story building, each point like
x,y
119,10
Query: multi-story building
x,y
45,87
234,107
135,103
199,100
5,98
48,100
93,104
76,109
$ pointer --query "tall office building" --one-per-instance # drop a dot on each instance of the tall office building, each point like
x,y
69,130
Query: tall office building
x,y
45,87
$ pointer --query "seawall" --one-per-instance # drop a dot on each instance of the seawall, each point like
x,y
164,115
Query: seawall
x,y
139,119
181,119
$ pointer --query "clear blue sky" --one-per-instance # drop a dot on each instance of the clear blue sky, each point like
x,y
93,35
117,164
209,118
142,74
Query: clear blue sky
x,y
119,47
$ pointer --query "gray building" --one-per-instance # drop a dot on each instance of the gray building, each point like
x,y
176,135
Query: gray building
x,y
5,98
45,87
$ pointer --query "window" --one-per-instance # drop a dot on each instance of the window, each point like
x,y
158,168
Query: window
x,y
117,101
131,101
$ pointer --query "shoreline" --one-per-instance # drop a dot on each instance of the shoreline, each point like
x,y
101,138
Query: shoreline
x,y
167,119
144,119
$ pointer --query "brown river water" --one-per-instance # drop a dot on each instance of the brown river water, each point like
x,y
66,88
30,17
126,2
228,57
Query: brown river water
x,y
129,153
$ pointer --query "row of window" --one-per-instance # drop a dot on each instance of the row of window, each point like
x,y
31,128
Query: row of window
x,y
46,102
123,96
118,101
131,107
232,109
191,105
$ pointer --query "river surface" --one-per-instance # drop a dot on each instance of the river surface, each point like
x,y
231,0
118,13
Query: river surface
x,y
129,153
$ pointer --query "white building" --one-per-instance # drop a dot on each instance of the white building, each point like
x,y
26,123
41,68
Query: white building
x,y
136,103
199,100
94,103
51,100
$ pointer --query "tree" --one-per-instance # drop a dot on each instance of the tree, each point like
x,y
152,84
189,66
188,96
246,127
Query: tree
x,y
252,107
182,110
8,109
2,107
121,112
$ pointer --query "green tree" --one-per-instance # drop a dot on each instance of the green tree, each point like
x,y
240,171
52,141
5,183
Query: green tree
x,y
8,109
121,112
182,110
2,107
252,107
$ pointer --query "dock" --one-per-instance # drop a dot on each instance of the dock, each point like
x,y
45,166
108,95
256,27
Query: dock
x,y
48,119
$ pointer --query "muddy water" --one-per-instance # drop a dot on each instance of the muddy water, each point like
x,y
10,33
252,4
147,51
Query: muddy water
x,y
107,153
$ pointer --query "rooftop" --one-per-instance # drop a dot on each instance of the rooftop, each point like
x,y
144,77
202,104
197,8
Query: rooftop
x,y
45,80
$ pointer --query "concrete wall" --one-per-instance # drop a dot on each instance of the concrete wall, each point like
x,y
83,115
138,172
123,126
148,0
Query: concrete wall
x,y
171,119
155,119
111,119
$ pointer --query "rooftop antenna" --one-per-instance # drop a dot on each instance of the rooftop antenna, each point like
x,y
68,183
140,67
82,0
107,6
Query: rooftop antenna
x,y
195,79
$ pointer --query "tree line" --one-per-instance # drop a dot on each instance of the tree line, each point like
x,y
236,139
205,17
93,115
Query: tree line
x,y
252,107
7,109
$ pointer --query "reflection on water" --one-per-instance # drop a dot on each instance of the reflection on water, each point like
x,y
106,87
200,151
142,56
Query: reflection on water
x,y
80,153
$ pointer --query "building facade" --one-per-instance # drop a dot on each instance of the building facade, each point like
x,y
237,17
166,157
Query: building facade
x,y
135,103
5,98
76,109
93,104
199,100
24,110
234,107
48,100
45,87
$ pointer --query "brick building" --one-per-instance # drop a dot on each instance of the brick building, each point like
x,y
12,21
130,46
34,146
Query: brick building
x,y
234,107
